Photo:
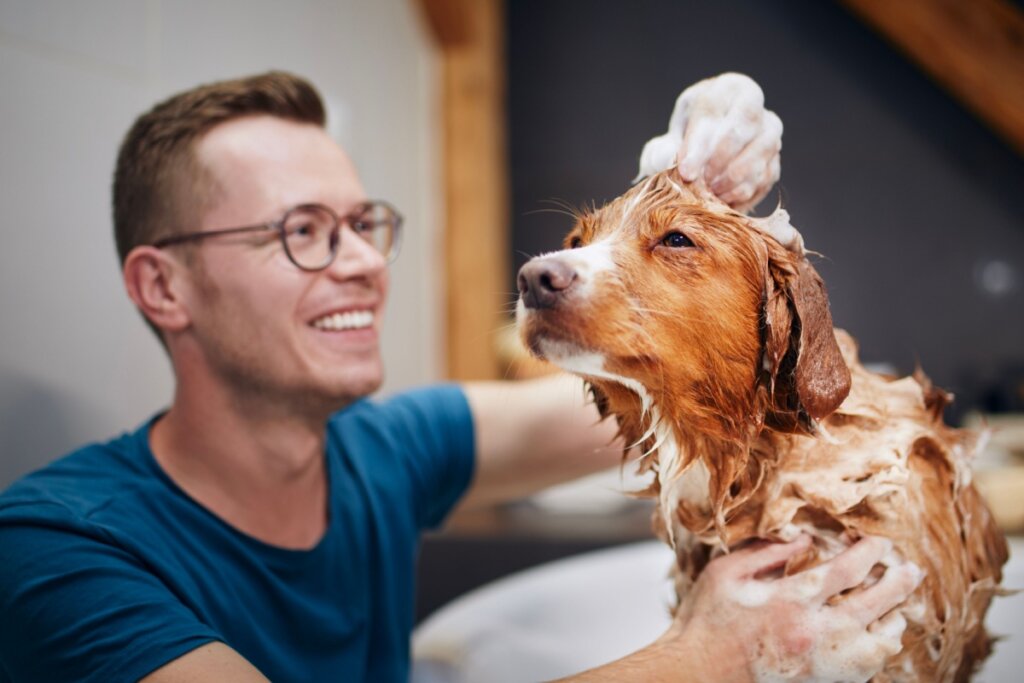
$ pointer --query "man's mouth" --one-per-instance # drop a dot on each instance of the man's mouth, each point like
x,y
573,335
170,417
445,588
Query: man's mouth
x,y
349,320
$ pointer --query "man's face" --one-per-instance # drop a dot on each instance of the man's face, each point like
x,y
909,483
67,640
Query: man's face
x,y
258,320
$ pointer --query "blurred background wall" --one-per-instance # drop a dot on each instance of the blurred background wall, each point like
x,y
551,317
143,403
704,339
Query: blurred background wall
x,y
76,362
914,203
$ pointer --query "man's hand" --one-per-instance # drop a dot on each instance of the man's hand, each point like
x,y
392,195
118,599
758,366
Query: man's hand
x,y
721,132
745,628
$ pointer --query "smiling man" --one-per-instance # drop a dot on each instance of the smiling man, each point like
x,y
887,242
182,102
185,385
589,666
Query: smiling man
x,y
266,524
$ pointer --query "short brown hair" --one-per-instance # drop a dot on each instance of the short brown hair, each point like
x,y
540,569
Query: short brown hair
x,y
158,184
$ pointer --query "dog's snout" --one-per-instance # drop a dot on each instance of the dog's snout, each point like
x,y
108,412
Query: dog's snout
x,y
543,281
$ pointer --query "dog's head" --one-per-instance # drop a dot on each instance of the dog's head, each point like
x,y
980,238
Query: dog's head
x,y
668,298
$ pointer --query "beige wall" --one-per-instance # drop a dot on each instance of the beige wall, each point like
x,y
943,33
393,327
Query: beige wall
x,y
76,362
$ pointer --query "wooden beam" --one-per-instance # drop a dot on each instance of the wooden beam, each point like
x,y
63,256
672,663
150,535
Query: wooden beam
x,y
975,48
470,34
449,20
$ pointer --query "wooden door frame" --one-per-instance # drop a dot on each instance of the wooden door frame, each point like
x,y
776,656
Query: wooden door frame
x,y
470,35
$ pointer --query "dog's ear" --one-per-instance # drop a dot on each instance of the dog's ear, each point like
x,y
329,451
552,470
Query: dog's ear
x,y
822,377
807,376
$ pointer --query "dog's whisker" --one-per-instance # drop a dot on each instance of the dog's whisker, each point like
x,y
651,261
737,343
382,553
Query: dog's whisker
x,y
524,254
561,212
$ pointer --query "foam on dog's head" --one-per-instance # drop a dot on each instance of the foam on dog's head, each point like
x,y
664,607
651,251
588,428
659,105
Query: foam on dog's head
x,y
778,226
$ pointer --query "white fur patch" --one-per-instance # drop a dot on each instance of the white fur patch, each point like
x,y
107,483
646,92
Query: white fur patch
x,y
634,202
592,259
688,483
590,364
588,262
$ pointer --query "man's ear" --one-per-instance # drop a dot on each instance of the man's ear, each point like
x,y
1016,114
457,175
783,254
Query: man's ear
x,y
153,280
808,378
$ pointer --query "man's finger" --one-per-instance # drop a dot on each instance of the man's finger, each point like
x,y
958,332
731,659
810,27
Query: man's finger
x,y
863,656
739,196
850,567
699,141
894,587
759,558
736,132
745,197
752,163
889,628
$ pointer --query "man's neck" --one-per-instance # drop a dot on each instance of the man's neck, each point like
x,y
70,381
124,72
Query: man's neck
x,y
256,466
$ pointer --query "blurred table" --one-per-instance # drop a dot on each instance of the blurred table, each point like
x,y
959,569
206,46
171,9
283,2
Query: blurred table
x,y
477,547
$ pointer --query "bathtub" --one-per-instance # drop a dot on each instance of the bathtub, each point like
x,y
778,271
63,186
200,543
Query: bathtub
x,y
567,616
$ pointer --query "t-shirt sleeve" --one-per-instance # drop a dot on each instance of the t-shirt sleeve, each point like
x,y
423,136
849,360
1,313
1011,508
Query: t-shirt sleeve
x,y
74,606
436,429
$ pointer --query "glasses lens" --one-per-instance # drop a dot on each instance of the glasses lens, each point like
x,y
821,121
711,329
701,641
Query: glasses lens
x,y
307,234
378,224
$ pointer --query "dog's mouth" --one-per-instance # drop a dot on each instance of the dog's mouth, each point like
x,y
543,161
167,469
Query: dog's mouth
x,y
552,340
567,336
544,338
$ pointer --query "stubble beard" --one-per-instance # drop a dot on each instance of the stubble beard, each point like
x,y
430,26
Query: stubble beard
x,y
262,385
259,386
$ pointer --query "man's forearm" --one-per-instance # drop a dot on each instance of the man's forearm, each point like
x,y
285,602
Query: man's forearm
x,y
677,657
534,434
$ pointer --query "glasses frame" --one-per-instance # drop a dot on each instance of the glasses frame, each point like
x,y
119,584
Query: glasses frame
x,y
334,240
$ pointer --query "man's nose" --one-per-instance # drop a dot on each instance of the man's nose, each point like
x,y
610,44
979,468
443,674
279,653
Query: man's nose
x,y
542,282
356,256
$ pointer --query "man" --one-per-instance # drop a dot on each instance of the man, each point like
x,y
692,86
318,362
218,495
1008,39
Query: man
x,y
253,531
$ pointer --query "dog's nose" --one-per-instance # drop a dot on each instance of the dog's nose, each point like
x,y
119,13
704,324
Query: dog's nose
x,y
543,281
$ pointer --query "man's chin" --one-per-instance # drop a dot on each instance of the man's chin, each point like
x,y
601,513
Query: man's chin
x,y
351,389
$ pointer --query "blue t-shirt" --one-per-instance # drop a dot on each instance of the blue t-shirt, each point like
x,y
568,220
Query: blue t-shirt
x,y
108,570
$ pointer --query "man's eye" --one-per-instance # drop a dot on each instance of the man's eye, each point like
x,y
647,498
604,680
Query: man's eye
x,y
302,230
676,240
362,225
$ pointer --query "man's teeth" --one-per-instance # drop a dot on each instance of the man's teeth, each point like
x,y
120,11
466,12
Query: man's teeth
x,y
350,320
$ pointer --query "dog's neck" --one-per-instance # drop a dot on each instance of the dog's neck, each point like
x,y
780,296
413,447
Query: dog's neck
x,y
704,474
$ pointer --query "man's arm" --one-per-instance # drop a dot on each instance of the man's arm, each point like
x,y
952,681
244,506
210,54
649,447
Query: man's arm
x,y
534,434
213,663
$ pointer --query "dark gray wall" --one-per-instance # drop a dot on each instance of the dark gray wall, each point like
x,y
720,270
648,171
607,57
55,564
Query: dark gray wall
x,y
914,203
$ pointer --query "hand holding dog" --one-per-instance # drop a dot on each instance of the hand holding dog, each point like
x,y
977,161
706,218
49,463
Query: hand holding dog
x,y
739,627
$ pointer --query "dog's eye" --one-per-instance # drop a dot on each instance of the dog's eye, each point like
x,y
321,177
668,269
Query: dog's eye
x,y
676,240
575,243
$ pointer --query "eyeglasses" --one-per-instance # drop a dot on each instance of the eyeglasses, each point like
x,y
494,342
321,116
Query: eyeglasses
x,y
311,233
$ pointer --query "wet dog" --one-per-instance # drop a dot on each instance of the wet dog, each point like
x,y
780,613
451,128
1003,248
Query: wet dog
x,y
707,335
